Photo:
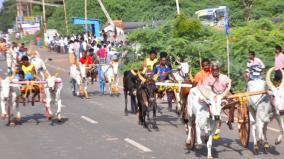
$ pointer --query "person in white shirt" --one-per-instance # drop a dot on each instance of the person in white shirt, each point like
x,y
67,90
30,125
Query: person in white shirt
x,y
61,44
66,45
254,67
12,58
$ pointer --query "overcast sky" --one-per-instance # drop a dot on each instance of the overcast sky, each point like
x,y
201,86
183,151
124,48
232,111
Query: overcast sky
x,y
1,1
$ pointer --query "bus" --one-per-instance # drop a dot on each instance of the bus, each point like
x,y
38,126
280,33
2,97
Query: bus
x,y
212,16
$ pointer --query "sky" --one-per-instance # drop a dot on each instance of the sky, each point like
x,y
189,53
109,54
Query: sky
x,y
1,1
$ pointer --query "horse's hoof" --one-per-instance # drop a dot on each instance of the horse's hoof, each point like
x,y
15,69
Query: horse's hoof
x,y
277,142
209,157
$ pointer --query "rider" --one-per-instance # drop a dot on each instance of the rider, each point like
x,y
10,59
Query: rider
x,y
28,68
86,59
164,71
203,73
150,61
254,67
219,83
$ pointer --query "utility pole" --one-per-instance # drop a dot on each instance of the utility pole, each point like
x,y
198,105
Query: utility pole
x,y
65,14
86,17
177,4
106,13
31,8
44,17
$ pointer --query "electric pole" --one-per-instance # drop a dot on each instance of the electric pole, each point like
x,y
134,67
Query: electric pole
x,y
44,18
86,17
177,4
65,14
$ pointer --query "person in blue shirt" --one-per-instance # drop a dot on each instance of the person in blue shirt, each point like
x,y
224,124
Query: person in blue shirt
x,y
165,72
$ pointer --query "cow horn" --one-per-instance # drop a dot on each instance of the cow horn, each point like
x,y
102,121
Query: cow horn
x,y
155,76
133,72
227,90
282,81
268,81
141,77
46,74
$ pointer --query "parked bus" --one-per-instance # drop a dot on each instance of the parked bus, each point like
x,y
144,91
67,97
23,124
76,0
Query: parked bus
x,y
213,16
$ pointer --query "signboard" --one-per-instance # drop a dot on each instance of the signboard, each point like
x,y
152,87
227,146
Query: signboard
x,y
29,18
30,28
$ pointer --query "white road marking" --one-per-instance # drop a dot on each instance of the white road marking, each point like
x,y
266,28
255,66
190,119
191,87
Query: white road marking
x,y
269,128
89,120
136,144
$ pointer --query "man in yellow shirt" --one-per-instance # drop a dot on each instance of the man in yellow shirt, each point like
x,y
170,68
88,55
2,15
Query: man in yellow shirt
x,y
28,68
149,62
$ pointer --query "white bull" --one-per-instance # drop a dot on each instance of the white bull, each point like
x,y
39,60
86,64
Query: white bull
x,y
110,73
39,65
263,108
204,109
9,92
180,75
76,79
53,88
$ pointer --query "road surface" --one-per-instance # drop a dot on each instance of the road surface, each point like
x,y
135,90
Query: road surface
x,y
97,128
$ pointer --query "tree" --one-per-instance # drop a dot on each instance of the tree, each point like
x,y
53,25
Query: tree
x,y
247,4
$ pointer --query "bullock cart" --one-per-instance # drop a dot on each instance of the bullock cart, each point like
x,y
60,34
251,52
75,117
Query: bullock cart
x,y
31,88
241,104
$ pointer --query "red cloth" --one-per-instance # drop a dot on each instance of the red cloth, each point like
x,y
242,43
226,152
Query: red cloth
x,y
86,61
101,53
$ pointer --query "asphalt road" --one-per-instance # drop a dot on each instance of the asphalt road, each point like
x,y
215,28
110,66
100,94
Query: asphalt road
x,y
97,128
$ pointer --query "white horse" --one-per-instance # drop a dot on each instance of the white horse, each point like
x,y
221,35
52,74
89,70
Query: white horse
x,y
53,88
263,108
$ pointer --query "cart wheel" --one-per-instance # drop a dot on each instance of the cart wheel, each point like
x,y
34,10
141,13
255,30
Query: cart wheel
x,y
193,136
244,131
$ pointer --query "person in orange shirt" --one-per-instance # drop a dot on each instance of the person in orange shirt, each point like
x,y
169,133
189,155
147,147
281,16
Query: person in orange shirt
x,y
203,73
